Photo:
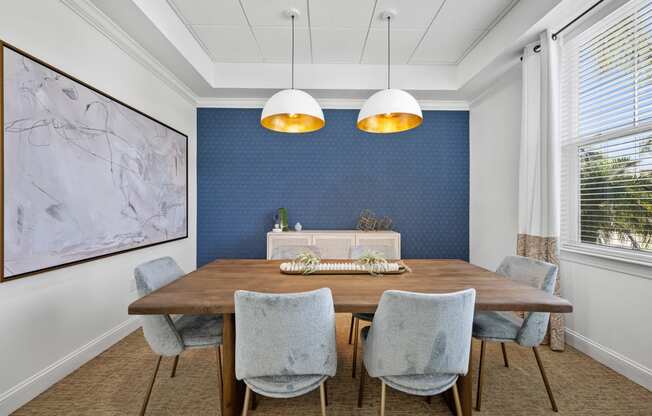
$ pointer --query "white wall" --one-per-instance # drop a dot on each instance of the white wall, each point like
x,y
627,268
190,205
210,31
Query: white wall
x,y
52,323
494,133
611,300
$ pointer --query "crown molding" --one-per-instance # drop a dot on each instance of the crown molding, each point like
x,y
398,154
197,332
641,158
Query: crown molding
x,y
331,103
104,25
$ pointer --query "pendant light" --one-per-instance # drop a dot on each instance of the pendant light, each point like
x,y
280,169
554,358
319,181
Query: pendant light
x,y
391,110
291,110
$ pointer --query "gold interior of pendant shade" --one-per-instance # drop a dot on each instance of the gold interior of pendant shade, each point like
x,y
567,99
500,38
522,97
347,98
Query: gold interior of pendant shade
x,y
292,123
389,122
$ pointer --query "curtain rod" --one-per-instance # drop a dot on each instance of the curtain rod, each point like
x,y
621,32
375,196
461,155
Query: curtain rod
x,y
554,35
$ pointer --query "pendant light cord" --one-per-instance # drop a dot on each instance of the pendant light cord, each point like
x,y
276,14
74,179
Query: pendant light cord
x,y
388,51
293,51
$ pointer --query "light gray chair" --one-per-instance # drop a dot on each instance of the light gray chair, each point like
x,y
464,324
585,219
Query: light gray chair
x,y
418,343
291,252
170,337
355,253
285,343
508,327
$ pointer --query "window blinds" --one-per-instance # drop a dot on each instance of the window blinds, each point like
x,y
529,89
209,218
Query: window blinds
x,y
606,131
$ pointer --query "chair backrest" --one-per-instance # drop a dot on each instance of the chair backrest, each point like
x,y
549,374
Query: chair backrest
x,y
418,333
159,330
537,274
284,334
291,252
387,251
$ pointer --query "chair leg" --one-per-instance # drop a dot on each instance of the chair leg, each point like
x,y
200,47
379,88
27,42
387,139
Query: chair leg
x,y
361,388
351,329
502,346
545,379
355,346
220,383
322,398
478,400
383,394
245,406
151,385
174,366
456,399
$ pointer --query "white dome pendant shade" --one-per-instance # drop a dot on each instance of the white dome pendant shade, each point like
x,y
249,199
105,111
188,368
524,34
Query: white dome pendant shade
x,y
390,110
292,111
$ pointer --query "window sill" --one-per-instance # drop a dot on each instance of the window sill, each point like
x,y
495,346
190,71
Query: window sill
x,y
634,264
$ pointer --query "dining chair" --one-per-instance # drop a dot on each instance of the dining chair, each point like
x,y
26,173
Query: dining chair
x,y
507,327
285,344
291,252
355,253
418,343
168,336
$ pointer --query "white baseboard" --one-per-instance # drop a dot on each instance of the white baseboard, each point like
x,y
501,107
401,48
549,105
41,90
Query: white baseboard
x,y
631,369
28,389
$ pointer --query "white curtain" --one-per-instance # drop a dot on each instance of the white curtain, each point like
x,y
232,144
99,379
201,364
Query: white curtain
x,y
539,168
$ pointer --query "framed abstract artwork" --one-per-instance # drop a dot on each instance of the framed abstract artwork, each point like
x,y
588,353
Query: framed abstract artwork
x,y
83,175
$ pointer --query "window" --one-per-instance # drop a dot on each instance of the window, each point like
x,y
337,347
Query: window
x,y
606,117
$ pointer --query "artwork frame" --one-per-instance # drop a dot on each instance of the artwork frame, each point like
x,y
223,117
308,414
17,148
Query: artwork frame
x,y
113,100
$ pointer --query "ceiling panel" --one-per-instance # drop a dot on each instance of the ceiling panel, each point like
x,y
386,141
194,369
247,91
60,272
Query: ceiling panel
x,y
211,12
484,12
341,13
337,45
411,14
276,44
272,12
445,44
403,43
229,43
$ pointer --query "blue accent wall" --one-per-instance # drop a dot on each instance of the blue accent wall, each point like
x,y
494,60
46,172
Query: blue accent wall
x,y
419,178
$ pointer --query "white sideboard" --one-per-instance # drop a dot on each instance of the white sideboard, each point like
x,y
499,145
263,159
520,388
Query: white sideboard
x,y
334,244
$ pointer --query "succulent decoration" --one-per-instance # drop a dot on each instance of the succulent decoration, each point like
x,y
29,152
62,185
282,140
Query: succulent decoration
x,y
308,260
373,261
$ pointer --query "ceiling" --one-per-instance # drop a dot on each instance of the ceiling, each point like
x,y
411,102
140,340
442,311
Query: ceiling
x,y
339,31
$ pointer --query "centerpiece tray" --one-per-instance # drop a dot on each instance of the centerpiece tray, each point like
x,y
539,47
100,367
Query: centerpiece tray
x,y
335,268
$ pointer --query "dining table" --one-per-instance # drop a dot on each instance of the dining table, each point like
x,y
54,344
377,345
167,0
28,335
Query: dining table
x,y
210,290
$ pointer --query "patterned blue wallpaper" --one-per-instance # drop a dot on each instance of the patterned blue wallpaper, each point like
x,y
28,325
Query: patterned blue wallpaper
x,y
420,178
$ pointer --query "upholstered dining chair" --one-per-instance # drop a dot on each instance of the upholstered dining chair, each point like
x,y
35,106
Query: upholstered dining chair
x,y
170,337
291,252
507,327
355,253
285,344
418,343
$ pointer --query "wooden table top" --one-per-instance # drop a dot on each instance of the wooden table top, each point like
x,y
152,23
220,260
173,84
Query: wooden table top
x,y
209,290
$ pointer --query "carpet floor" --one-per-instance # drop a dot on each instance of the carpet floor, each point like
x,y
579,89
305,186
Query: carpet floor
x,y
114,383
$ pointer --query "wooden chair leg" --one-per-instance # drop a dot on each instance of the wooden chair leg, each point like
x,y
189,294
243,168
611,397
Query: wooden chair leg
x,y
351,329
478,400
150,387
456,399
361,388
174,366
383,395
355,346
220,382
545,379
502,346
322,398
245,406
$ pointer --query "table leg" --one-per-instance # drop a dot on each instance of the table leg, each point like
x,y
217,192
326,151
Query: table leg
x,y
465,387
232,395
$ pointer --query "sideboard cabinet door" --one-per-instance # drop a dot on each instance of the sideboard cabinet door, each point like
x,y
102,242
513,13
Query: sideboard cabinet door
x,y
334,246
287,239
